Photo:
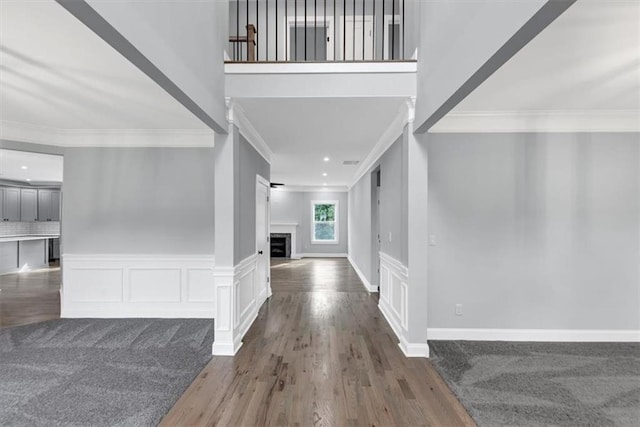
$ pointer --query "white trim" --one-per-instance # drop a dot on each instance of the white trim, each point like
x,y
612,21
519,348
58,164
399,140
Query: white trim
x,y
180,138
322,255
394,131
148,285
237,116
336,230
368,286
538,121
394,303
414,349
300,19
237,305
407,348
260,180
360,67
544,335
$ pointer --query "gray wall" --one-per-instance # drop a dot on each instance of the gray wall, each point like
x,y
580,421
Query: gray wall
x,y
534,230
361,238
249,163
138,201
295,207
393,210
456,39
184,40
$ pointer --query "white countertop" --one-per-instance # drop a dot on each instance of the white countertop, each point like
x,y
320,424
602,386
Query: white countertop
x,y
22,237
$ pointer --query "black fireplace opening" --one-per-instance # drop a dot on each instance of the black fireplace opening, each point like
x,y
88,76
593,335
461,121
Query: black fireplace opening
x,y
280,245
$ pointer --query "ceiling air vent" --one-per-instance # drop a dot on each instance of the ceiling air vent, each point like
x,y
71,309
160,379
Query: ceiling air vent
x,y
350,162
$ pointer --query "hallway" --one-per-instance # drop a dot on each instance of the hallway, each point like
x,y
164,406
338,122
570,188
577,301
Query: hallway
x,y
320,353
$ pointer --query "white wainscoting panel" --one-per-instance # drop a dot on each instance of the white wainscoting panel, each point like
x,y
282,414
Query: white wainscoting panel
x,y
237,304
112,286
394,297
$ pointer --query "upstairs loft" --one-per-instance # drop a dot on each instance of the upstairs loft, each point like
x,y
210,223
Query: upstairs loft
x,y
321,31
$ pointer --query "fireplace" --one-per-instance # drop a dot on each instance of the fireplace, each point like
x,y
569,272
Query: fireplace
x,y
280,245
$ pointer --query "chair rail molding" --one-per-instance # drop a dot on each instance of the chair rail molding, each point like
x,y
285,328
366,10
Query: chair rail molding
x,y
394,297
118,285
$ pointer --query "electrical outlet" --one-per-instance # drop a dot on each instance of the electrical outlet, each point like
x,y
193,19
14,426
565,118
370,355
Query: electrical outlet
x,y
458,309
432,240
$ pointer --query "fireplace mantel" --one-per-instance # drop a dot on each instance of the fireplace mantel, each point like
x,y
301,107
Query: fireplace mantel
x,y
291,228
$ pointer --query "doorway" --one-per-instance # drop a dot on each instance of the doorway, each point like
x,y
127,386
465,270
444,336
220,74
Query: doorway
x,y
263,288
357,34
309,40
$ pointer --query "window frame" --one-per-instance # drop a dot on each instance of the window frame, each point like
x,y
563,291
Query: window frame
x,y
336,230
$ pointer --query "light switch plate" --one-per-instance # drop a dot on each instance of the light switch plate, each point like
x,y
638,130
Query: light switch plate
x,y
432,240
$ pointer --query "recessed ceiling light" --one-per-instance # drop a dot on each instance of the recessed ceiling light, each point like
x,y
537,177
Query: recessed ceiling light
x,y
326,159
23,167
324,174
28,179
324,183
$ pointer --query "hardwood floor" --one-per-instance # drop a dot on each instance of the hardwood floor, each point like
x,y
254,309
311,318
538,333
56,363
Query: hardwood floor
x,y
319,354
29,297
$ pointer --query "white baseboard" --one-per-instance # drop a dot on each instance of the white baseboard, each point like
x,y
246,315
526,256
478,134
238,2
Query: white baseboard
x,y
409,349
120,286
364,280
541,335
322,255
414,349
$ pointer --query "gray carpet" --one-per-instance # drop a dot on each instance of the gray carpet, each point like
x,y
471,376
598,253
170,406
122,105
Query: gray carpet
x,y
99,372
534,384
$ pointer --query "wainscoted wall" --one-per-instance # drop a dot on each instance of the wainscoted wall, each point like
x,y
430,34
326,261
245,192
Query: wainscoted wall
x,y
239,296
394,303
138,286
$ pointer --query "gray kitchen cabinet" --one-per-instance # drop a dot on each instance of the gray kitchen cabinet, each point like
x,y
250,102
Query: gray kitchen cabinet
x,y
10,204
48,205
28,204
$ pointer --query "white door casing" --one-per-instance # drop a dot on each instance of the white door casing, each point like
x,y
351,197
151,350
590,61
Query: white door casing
x,y
263,287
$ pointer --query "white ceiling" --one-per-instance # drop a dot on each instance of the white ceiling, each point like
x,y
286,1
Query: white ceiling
x,y
39,167
56,73
587,62
302,131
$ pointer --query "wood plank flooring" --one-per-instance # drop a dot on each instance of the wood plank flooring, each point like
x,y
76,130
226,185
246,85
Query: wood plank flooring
x,y
29,297
319,354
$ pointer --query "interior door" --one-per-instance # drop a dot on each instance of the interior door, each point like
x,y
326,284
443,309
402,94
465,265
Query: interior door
x,y
358,41
263,288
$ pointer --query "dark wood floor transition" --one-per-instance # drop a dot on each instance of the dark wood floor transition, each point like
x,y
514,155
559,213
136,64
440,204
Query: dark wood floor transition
x,y
319,354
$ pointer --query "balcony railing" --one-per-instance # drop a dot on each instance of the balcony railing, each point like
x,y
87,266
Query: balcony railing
x,y
317,31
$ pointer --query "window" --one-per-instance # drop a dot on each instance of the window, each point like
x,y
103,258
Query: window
x,y
324,220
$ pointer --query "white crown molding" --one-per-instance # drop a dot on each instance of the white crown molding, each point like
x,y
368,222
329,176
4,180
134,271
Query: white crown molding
x,y
23,132
405,115
545,335
321,68
237,116
539,121
311,189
